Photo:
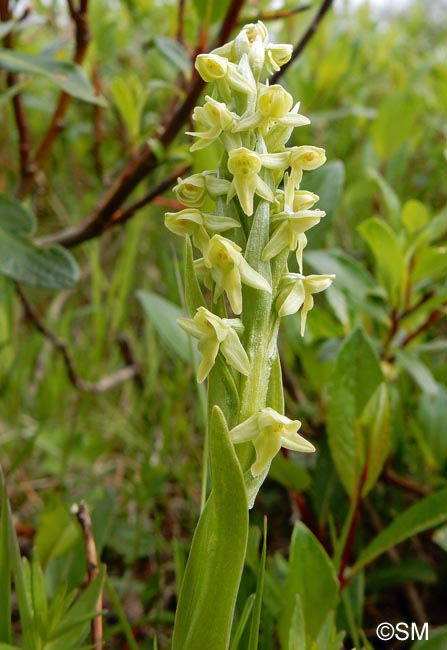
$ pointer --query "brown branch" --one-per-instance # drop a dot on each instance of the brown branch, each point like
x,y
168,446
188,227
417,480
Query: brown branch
x,y
123,214
275,15
56,126
300,46
106,383
431,320
180,36
145,161
405,483
349,543
27,167
83,517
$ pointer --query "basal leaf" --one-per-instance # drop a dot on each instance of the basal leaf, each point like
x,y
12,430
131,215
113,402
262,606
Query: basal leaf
x,y
213,572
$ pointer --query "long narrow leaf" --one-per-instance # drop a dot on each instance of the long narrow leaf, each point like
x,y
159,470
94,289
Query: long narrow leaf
x,y
213,572
5,574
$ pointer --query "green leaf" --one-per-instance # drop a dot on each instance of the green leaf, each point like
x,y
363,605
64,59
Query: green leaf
x,y
388,256
213,572
414,216
242,622
311,575
21,588
23,261
355,378
39,593
67,75
5,571
376,425
257,608
390,198
175,53
211,10
297,633
288,473
7,27
426,513
71,629
395,122
163,315
417,369
436,641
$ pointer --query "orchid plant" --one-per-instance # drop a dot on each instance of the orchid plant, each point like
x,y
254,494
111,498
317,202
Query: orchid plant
x,y
240,224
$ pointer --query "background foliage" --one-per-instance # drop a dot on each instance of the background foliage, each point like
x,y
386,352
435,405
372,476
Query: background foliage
x,y
98,400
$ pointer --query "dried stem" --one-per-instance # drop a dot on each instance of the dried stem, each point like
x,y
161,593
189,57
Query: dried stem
x,y
106,383
300,46
145,161
83,516
181,22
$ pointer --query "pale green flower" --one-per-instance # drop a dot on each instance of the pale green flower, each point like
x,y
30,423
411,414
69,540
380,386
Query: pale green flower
x,y
191,191
274,106
216,333
213,117
269,431
229,269
245,166
296,291
288,227
213,67
304,158
276,55
196,224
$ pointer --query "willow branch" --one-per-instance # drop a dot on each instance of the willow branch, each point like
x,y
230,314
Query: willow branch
x,y
106,383
27,167
308,34
122,215
145,161
56,126
265,16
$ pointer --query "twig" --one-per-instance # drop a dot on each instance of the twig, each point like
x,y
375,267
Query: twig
x,y
325,6
145,161
98,124
347,550
405,483
83,517
106,383
431,320
180,36
27,167
122,215
82,38
275,15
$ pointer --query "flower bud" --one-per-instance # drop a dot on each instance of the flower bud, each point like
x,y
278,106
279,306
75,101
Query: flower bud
x,y
275,102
